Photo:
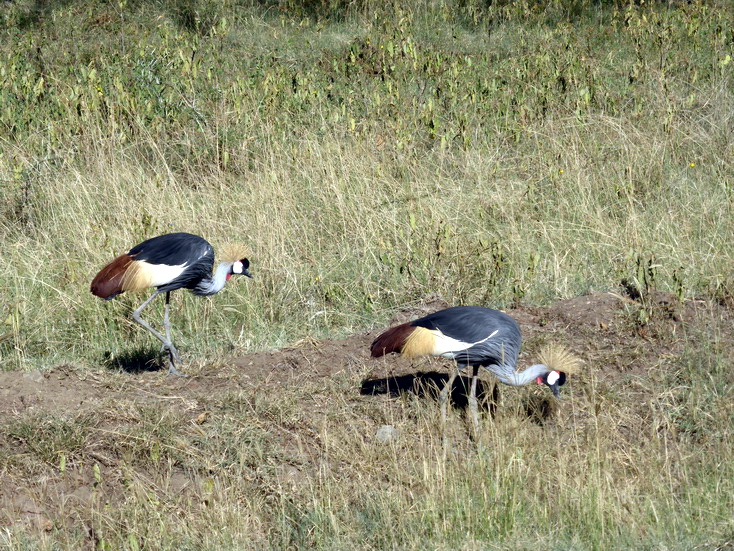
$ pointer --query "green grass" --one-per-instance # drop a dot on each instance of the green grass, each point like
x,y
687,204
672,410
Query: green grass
x,y
372,156
367,160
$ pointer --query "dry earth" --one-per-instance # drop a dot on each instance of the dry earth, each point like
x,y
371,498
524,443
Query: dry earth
x,y
600,328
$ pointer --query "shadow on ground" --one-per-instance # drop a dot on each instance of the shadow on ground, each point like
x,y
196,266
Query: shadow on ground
x,y
139,360
538,409
429,384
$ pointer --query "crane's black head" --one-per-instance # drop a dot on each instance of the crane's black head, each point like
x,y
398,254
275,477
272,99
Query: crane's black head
x,y
240,267
553,380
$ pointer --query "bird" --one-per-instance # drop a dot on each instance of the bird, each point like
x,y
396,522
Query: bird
x,y
168,262
475,336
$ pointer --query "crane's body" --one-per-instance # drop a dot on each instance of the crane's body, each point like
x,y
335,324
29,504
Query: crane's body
x,y
168,262
472,336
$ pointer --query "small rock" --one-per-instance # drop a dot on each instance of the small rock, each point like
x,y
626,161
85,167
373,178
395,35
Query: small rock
x,y
83,494
35,376
386,433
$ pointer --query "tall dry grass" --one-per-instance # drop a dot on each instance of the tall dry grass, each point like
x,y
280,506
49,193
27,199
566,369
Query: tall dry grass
x,y
337,239
378,166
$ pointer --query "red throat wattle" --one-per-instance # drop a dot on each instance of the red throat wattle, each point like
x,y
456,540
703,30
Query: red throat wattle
x,y
539,381
229,276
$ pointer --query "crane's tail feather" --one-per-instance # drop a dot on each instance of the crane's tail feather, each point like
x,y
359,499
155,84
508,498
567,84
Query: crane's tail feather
x,y
124,273
392,340
559,358
108,283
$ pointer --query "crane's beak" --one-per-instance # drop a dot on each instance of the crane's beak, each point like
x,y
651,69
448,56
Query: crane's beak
x,y
241,267
556,390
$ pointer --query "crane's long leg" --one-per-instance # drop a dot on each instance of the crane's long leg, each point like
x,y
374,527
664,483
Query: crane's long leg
x,y
173,357
141,321
443,398
166,341
167,325
473,403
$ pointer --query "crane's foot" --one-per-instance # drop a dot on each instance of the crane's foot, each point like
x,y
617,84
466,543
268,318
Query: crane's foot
x,y
173,371
172,368
173,359
171,351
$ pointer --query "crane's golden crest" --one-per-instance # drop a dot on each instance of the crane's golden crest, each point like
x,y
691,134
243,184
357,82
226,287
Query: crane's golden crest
x,y
559,358
233,252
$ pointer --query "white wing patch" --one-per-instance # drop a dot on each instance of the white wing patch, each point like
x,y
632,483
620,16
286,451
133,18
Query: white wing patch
x,y
160,274
449,347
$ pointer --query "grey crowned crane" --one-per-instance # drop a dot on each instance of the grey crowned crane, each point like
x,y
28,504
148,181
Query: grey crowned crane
x,y
169,262
475,337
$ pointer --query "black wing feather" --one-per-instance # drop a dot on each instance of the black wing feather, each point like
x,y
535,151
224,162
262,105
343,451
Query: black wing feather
x,y
473,324
174,249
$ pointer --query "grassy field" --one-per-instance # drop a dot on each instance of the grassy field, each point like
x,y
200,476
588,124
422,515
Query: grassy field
x,y
374,156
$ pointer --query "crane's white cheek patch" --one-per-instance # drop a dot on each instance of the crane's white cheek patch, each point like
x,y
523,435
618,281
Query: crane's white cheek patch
x,y
237,267
553,377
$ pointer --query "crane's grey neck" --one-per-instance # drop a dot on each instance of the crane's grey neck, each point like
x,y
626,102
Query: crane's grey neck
x,y
508,375
212,285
